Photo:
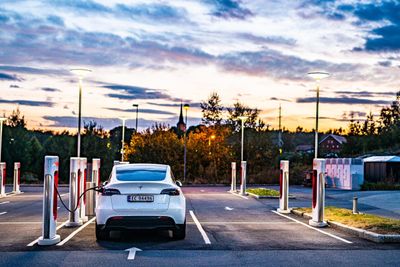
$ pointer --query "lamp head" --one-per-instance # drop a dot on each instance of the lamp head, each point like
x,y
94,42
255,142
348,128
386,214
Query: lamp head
x,y
318,75
135,105
186,106
2,119
80,72
243,118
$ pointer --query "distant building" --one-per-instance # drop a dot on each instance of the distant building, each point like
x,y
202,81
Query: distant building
x,y
181,125
332,143
382,169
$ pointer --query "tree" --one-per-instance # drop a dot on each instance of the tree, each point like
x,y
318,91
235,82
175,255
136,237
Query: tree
x,y
212,110
239,110
16,119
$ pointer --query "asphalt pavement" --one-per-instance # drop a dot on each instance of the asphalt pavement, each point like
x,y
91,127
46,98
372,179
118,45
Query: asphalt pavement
x,y
223,230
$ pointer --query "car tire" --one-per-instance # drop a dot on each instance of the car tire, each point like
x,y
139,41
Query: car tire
x,y
180,232
101,234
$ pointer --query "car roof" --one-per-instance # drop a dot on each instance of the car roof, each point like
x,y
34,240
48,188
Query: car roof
x,y
142,166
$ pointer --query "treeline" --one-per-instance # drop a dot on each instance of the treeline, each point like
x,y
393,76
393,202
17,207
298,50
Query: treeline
x,y
211,146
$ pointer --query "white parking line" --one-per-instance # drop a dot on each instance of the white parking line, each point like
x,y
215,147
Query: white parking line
x,y
201,230
16,223
76,231
2,213
238,195
37,239
5,202
243,223
313,228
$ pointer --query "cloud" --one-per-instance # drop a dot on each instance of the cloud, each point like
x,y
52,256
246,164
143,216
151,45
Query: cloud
x,y
8,77
81,5
56,20
31,103
365,93
192,104
49,89
30,70
279,99
143,110
277,40
229,9
14,86
341,100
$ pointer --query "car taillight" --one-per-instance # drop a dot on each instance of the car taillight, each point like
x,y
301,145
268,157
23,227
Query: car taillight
x,y
171,192
110,192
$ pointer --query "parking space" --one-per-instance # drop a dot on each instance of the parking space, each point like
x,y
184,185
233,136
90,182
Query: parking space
x,y
228,222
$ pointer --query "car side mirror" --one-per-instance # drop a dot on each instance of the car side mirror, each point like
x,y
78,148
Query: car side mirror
x,y
105,183
179,183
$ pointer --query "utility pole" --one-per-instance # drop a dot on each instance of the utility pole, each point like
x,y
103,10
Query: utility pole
x,y
280,142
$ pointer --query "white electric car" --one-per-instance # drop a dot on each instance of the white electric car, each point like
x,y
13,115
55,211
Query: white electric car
x,y
141,196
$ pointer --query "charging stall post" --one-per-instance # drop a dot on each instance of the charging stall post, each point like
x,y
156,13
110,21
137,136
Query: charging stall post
x,y
243,179
49,234
3,179
17,177
94,182
74,192
83,174
318,193
284,187
233,184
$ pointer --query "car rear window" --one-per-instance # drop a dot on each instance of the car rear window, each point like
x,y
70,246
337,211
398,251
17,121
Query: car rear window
x,y
140,175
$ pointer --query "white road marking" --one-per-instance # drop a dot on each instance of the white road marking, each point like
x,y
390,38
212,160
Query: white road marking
x,y
244,223
5,202
313,228
238,195
2,213
76,231
201,230
16,223
228,208
132,252
37,239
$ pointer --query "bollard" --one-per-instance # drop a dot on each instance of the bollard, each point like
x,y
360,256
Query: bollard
x,y
318,194
233,184
74,192
284,187
83,174
355,205
243,179
49,231
3,179
90,199
17,177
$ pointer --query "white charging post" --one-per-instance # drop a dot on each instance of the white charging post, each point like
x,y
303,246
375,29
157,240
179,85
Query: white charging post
x,y
17,177
233,184
318,193
96,172
243,178
83,174
284,187
74,192
3,179
49,235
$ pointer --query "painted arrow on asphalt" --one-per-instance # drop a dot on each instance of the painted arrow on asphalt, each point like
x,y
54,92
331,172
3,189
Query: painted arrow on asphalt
x,y
228,208
132,252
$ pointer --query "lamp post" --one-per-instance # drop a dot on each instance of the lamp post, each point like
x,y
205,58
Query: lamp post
x,y
242,118
1,134
186,107
80,73
123,139
317,76
137,115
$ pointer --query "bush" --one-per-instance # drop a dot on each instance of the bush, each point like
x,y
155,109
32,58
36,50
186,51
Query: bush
x,y
379,186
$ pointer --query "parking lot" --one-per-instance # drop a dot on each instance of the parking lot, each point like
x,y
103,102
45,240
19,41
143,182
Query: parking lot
x,y
223,229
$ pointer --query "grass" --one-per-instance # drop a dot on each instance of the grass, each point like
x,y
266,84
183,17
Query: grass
x,y
263,192
379,186
373,223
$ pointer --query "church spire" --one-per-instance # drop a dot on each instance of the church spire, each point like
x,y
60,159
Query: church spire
x,y
181,124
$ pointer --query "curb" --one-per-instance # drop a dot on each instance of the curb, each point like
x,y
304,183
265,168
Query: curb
x,y
365,234
267,197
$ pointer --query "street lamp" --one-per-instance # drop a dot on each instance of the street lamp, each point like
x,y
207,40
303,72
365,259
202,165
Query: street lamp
x,y
317,76
186,107
1,133
242,118
123,139
80,73
137,114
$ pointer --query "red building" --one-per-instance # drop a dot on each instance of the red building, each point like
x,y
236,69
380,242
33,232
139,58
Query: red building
x,y
332,143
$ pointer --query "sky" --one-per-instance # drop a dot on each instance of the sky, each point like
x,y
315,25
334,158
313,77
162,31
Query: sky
x,y
160,53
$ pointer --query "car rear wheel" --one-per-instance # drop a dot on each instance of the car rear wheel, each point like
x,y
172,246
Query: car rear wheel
x,y
101,234
180,232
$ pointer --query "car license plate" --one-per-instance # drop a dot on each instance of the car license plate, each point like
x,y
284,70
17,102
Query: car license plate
x,y
140,198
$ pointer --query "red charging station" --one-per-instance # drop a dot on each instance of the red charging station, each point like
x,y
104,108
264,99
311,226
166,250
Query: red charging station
x,y
318,193
74,191
3,179
49,227
83,178
243,178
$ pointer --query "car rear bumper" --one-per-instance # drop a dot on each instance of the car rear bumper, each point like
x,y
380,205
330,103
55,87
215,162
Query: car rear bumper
x,y
139,222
